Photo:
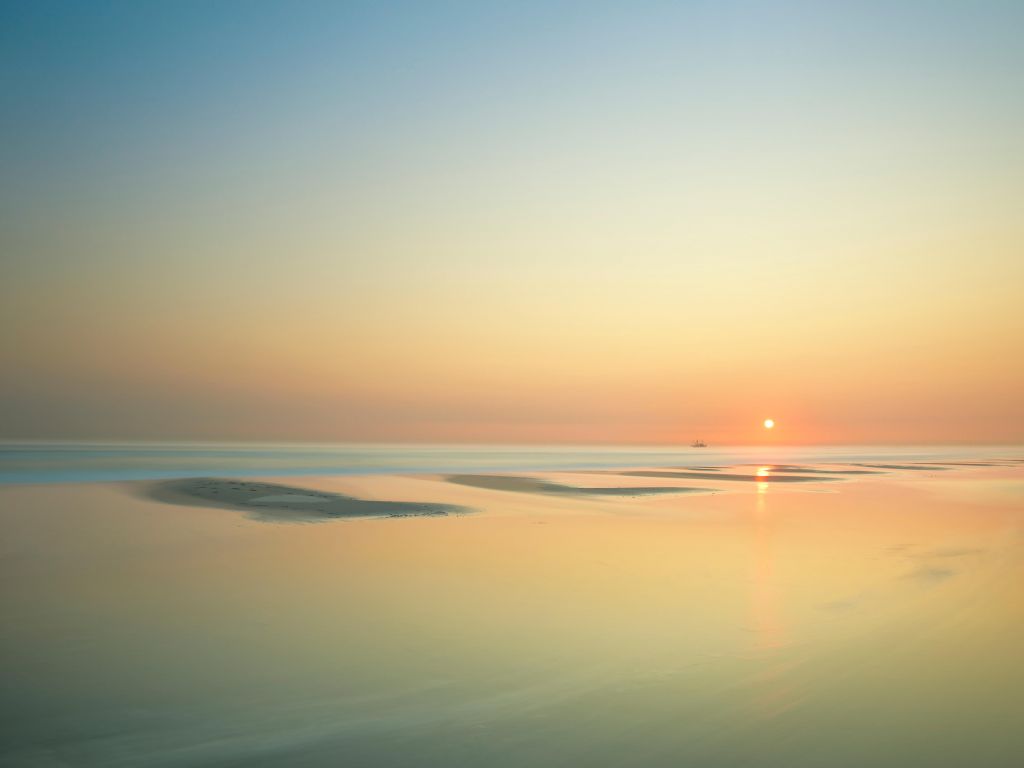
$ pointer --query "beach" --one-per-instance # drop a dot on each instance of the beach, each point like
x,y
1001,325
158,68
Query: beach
x,y
862,612
512,385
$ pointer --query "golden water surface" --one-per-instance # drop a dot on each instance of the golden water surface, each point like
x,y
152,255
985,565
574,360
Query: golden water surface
x,y
875,621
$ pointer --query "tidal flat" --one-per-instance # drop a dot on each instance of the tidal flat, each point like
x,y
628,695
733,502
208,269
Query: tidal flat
x,y
845,620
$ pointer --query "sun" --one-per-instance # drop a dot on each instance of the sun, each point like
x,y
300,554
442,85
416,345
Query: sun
x,y
769,423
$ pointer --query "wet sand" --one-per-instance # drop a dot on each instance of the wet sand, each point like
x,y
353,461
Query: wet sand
x,y
766,477
909,467
793,469
284,503
516,484
871,622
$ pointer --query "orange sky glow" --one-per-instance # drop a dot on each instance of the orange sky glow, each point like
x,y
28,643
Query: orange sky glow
x,y
690,223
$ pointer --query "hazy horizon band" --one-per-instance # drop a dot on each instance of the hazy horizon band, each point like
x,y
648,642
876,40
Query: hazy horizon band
x,y
68,462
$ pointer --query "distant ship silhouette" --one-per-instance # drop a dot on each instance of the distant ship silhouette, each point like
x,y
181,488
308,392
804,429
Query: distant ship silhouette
x,y
698,444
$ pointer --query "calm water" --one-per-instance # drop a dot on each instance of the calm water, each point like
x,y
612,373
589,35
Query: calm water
x,y
83,462
875,621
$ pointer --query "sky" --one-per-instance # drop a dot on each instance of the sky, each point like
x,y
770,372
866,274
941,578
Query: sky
x,y
642,222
